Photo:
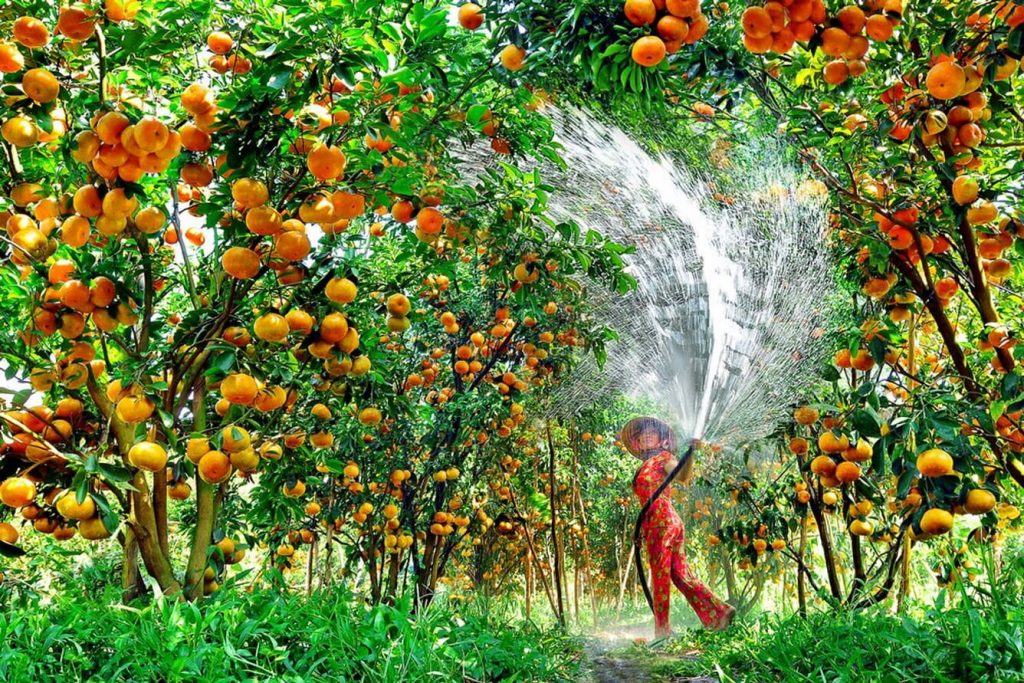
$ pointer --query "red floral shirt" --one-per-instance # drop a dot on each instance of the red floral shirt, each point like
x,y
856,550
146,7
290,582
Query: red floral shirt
x,y
661,518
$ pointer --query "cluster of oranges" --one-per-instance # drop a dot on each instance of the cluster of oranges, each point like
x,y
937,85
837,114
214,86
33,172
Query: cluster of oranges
x,y
676,23
69,302
38,433
38,84
511,56
840,463
778,25
398,306
225,56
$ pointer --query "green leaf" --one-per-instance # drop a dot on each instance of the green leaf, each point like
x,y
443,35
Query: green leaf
x,y
866,422
8,550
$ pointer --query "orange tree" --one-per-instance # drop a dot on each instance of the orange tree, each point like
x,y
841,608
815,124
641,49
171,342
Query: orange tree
x,y
243,270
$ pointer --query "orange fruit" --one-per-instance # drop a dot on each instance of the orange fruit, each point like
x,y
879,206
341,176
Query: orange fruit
x,y
471,16
348,205
805,415
219,42
861,527
148,456
31,32
398,304
403,211
936,521
325,162
263,220
76,24
935,462
271,327
20,131
945,80
295,490
686,9
672,28
8,534
135,409
249,192
11,59
239,388
979,501
851,18
214,467
861,452
196,448
240,262
756,22
834,41
965,190
197,99
648,51
370,416
341,290
334,328
847,471
292,245
40,85
878,28
17,492
836,72
828,442
640,12
299,321
69,507
234,438
429,220
512,57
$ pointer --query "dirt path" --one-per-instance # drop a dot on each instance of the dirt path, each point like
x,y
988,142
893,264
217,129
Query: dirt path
x,y
613,656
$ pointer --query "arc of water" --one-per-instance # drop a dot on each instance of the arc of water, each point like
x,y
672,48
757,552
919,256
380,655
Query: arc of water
x,y
722,324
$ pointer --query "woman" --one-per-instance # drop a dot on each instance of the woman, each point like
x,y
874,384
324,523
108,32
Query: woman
x,y
653,441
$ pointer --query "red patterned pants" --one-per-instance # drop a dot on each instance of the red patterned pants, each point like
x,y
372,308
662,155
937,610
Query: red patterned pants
x,y
668,566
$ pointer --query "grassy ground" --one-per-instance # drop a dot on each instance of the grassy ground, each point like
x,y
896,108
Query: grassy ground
x,y
957,644
264,636
78,635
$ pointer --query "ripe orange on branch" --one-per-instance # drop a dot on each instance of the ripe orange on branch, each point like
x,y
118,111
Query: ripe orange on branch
x,y
648,51
935,462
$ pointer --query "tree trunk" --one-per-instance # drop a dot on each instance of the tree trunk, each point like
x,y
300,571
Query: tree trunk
x,y
160,508
205,514
552,497
325,570
801,580
623,583
131,578
528,583
141,516
394,562
310,559
826,545
905,579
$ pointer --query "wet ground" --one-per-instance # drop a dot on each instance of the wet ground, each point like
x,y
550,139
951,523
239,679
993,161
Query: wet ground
x,y
621,652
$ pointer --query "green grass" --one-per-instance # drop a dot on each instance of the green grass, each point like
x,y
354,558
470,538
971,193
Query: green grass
x,y
956,644
265,636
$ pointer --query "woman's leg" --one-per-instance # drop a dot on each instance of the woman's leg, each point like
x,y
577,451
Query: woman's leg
x,y
713,613
660,557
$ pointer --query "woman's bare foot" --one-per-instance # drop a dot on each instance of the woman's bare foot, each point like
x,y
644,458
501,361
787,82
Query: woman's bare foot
x,y
725,620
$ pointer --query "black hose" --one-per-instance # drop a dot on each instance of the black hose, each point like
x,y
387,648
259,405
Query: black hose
x,y
637,536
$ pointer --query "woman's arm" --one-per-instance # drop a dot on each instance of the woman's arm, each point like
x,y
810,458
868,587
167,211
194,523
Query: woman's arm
x,y
685,474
